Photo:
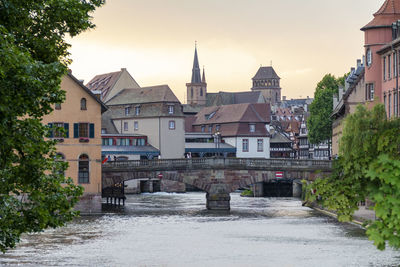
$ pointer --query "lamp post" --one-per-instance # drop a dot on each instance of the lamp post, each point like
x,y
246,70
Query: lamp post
x,y
217,136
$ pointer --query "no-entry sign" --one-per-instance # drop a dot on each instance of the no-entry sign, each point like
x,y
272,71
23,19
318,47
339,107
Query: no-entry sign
x,y
160,175
279,175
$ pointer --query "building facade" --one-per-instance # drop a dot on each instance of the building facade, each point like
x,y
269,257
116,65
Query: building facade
x,y
80,145
154,112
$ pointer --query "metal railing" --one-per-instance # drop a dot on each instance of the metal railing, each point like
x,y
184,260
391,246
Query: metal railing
x,y
217,163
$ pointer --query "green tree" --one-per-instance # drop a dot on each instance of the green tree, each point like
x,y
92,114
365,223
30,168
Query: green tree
x,y
319,123
368,167
34,194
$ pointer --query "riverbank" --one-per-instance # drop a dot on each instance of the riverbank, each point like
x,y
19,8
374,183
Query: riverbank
x,y
360,216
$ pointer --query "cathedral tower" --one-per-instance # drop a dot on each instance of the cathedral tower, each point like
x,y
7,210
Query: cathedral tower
x,y
268,82
197,88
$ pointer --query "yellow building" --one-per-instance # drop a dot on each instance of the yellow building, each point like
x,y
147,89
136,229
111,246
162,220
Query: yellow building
x,y
80,145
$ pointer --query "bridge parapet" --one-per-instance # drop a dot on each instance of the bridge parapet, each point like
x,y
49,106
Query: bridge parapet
x,y
218,163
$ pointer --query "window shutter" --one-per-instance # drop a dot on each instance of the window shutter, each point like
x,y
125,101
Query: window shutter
x,y
76,130
51,131
91,130
66,128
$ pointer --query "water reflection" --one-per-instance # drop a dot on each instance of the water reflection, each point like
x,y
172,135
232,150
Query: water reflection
x,y
176,230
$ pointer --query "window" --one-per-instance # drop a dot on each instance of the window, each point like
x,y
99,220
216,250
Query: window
x,y
245,145
83,130
369,91
384,102
58,126
369,57
125,126
191,92
217,127
57,106
389,104
260,145
395,64
395,106
384,68
136,125
389,68
107,141
170,109
137,110
83,169
127,111
122,142
203,128
61,158
139,142
83,104
252,128
171,125
103,130
201,91
210,128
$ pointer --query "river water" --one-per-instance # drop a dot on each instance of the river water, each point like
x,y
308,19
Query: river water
x,y
175,230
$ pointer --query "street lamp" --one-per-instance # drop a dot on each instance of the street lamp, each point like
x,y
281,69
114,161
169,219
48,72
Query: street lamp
x,y
217,136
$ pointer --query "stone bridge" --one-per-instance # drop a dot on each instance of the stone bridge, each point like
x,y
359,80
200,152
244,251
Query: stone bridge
x,y
216,176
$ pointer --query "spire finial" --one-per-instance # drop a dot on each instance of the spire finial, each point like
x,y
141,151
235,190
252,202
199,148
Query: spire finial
x,y
195,43
271,63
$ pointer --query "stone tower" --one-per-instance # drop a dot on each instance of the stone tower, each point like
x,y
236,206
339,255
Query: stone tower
x,y
268,82
197,88
378,33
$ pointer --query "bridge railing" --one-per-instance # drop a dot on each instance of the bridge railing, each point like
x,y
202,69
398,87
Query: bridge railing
x,y
207,163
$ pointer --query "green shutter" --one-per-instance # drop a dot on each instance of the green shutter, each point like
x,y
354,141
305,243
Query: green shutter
x,y
91,130
66,128
76,130
51,131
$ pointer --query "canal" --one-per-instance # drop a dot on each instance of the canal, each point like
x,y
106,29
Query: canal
x,y
175,230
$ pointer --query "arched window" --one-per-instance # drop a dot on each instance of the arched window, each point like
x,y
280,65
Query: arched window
x,y
83,104
201,91
83,169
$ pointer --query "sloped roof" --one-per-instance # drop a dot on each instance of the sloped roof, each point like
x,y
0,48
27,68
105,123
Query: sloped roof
x,y
106,122
229,98
234,113
278,137
266,73
385,16
152,94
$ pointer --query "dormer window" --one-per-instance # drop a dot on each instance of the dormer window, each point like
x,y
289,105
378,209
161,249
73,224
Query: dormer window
x,y
83,104
252,128
170,109
127,111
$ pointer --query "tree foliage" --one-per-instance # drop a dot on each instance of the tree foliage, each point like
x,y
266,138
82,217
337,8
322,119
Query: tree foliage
x,y
34,194
319,123
368,167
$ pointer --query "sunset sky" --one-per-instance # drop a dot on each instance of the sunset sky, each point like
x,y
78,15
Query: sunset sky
x,y
154,40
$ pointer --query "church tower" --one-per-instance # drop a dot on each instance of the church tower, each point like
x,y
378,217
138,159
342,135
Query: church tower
x,y
268,82
197,88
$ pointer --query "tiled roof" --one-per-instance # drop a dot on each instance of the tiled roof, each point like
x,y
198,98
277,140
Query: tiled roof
x,y
266,73
152,94
278,137
386,15
229,98
234,113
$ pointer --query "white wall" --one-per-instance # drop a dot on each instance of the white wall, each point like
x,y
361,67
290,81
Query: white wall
x,y
253,153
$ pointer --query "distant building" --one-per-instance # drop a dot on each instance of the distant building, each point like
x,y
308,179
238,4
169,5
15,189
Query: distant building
x,y
110,84
281,147
240,127
80,116
153,112
268,83
345,103
197,88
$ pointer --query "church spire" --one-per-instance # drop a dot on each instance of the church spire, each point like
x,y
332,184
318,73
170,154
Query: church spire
x,y
203,80
196,78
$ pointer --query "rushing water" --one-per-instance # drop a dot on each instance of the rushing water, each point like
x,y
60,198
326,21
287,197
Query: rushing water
x,y
176,230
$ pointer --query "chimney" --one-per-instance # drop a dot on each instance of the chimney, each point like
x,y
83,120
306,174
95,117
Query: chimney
x,y
123,69
352,70
284,98
359,63
97,94
363,61
81,81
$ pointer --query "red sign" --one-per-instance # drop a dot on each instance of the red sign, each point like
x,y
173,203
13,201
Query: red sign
x,y
160,175
279,175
